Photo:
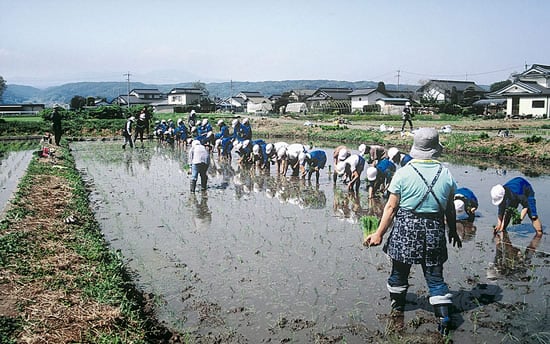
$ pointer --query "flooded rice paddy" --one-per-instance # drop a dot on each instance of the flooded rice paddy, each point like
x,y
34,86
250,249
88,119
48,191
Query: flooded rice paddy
x,y
262,258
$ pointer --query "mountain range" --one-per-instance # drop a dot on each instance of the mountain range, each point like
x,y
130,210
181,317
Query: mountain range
x,y
18,94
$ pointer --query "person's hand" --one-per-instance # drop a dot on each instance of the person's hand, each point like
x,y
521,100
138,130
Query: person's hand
x,y
373,239
454,239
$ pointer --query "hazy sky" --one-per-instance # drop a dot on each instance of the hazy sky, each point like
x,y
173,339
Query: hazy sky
x,y
51,42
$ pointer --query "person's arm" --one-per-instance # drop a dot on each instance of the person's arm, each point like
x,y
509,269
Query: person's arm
x,y
354,177
390,209
450,216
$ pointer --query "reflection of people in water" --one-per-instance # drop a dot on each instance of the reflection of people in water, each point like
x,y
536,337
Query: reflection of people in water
x,y
510,260
202,214
348,205
466,230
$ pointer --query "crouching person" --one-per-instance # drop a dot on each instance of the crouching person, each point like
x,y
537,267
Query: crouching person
x,y
199,158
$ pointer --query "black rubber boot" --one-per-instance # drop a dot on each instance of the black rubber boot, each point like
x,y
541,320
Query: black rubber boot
x,y
204,182
444,321
398,301
193,185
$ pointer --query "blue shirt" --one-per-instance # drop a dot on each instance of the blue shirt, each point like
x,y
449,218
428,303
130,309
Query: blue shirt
x,y
468,196
318,159
386,167
518,191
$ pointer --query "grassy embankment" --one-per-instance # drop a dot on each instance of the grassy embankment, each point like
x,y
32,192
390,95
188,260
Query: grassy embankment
x,y
59,281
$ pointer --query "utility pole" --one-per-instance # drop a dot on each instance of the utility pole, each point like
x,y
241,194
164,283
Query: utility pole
x,y
127,75
398,76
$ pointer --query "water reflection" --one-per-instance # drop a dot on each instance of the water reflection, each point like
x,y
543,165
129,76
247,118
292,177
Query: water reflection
x,y
466,230
347,205
511,261
202,215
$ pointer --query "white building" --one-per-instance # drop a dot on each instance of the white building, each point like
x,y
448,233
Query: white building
x,y
529,93
366,96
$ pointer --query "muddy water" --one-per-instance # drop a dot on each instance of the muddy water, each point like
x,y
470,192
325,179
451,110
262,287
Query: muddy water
x,y
260,257
12,167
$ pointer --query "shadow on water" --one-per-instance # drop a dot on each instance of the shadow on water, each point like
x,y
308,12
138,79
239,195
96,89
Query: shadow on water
x,y
261,256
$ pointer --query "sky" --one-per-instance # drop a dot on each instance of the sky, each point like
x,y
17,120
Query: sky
x,y
48,43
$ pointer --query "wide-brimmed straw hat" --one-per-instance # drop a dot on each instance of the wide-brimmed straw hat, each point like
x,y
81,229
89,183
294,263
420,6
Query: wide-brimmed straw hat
x,y
426,144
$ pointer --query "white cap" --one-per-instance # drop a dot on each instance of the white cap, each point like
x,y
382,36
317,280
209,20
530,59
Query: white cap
x,y
392,152
179,121
459,207
196,143
362,148
245,120
192,112
234,122
407,104
371,173
497,194
301,157
220,122
193,129
343,154
246,143
142,116
256,149
269,148
205,121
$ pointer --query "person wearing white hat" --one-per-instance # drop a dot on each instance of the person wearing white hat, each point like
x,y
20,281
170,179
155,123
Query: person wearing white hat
x,y
192,119
246,129
199,159
380,180
419,208
224,130
140,127
181,132
398,157
340,153
407,116
259,155
351,169
466,204
510,195
292,152
127,132
313,162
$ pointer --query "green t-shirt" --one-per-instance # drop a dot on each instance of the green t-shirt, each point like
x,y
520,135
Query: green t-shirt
x,y
410,187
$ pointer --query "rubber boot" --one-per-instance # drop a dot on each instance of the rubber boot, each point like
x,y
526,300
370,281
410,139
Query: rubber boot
x,y
444,321
397,314
193,185
204,182
398,301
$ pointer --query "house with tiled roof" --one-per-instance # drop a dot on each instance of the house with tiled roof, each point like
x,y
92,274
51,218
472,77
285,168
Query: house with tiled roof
x,y
140,96
447,91
529,93
300,95
184,96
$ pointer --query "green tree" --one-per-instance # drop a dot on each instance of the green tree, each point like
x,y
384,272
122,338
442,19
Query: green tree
x,y
78,102
2,87
499,85
381,86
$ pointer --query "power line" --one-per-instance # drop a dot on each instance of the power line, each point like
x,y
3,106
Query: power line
x,y
460,75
